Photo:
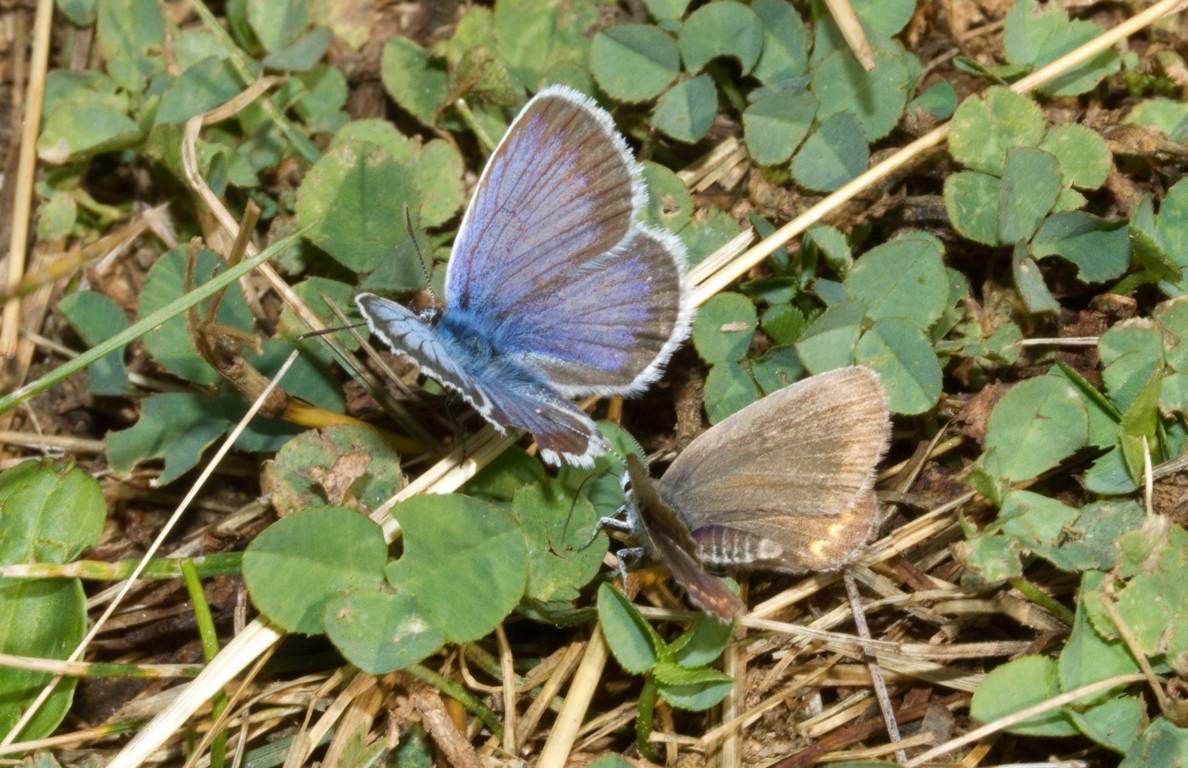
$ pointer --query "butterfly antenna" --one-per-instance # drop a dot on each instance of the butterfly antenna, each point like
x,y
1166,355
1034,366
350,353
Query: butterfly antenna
x,y
324,331
425,273
569,516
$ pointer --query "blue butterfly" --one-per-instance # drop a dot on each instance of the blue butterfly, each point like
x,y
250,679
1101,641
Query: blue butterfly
x,y
553,289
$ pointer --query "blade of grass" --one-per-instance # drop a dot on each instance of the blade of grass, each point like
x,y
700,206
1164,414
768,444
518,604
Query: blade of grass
x,y
140,328
210,649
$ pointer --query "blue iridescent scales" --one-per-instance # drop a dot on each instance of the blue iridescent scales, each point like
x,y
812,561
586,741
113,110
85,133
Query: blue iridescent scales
x,y
554,288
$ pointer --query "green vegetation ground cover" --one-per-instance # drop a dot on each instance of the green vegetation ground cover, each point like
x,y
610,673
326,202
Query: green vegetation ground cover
x,y
1020,293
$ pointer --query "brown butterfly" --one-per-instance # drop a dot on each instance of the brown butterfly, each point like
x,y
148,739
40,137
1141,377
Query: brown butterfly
x,y
785,484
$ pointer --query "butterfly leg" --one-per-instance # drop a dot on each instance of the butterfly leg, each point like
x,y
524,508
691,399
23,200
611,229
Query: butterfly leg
x,y
613,523
628,559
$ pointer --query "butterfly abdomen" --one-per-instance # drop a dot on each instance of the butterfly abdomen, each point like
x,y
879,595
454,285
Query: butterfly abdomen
x,y
723,545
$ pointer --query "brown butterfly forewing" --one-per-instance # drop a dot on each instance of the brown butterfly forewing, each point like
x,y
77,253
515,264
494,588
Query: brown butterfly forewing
x,y
785,484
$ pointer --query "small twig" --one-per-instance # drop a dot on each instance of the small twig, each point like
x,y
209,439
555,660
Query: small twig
x,y
851,29
1068,341
565,668
458,693
577,700
878,683
508,673
22,206
97,669
457,750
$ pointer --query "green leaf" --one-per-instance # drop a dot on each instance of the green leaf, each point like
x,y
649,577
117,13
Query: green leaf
x,y
1146,246
129,29
435,170
984,128
175,426
721,28
971,201
988,560
418,85
723,327
353,200
380,632
96,318
342,465
277,23
1085,159
1114,724
1030,185
1172,226
48,513
1029,281
784,42
634,62
321,105
702,643
900,353
1091,542
667,9
1108,475
632,641
876,98
1131,351
1032,519
708,232
687,110
506,474
1152,604
56,216
80,13
904,278
669,203
302,54
1141,421
304,560
562,558
1099,248
880,19
829,342
1087,657
204,85
832,245
437,179
1036,425
777,369
171,344
534,37
1162,744
728,388
42,618
1035,39
775,125
694,690
835,153
1016,685
1168,116
938,100
783,323
451,544
76,131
